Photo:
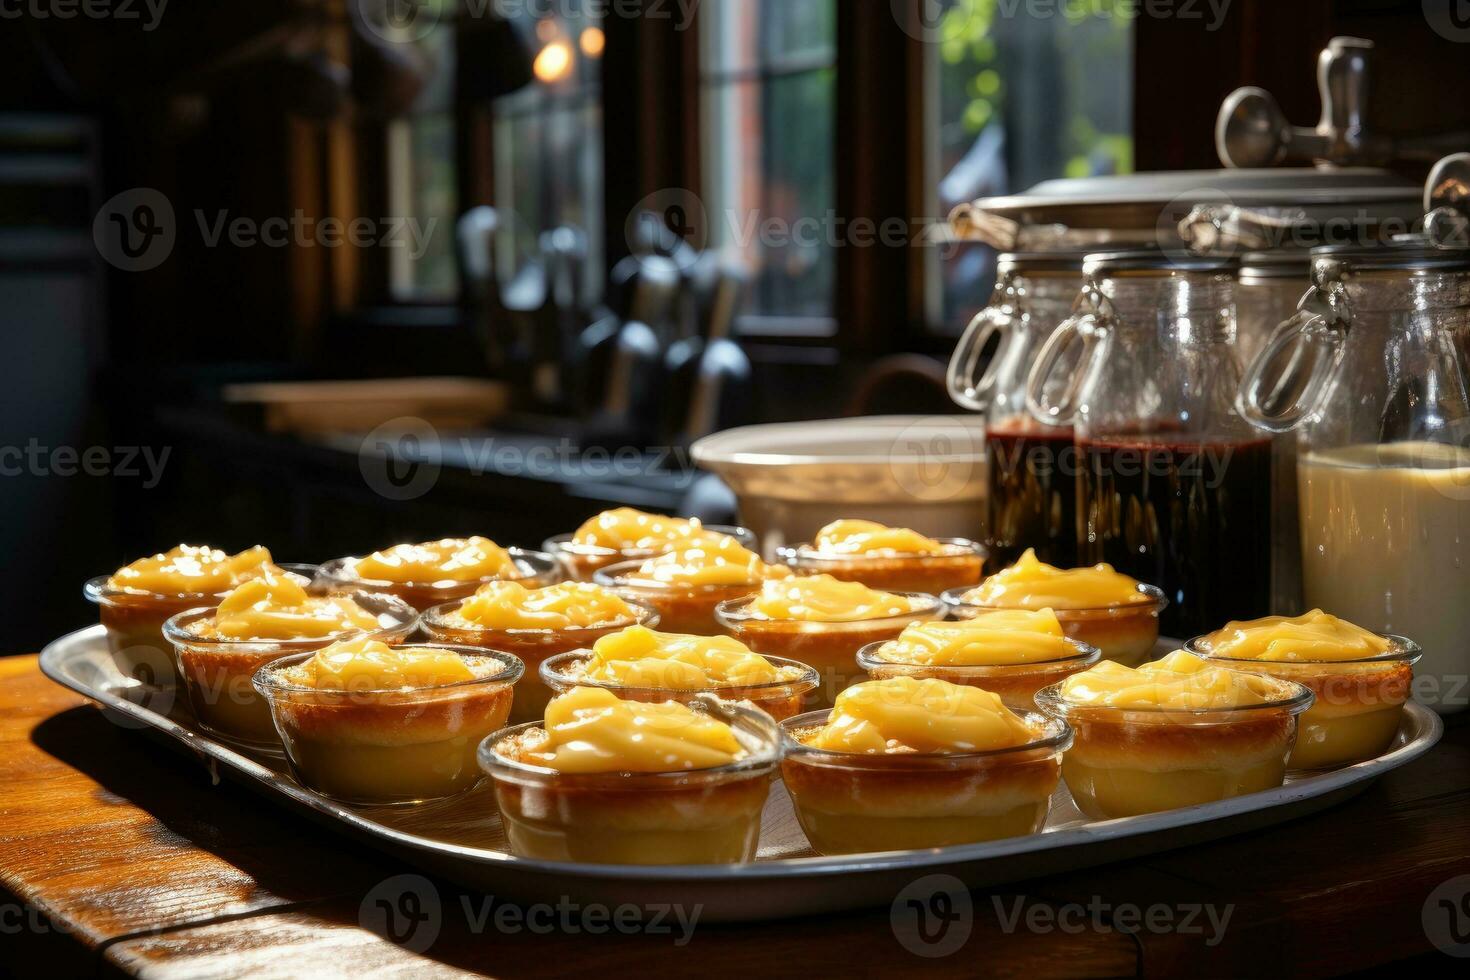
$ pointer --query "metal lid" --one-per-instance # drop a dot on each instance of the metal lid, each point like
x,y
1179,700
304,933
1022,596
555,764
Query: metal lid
x,y
1149,206
1154,260
1398,258
1285,263
1260,187
1031,262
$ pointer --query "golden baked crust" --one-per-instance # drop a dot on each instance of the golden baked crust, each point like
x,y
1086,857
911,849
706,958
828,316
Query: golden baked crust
x,y
688,610
1341,688
1016,684
532,646
821,644
917,573
388,719
631,802
785,700
1163,741
888,786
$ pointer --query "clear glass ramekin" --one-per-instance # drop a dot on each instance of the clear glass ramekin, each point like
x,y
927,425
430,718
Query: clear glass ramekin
x,y
1125,632
681,608
1359,703
391,747
582,561
533,646
216,672
855,802
697,816
536,568
1128,761
134,624
961,566
1016,683
779,699
829,647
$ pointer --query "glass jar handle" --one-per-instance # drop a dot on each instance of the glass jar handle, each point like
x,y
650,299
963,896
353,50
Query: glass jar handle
x,y
1095,329
1317,322
963,388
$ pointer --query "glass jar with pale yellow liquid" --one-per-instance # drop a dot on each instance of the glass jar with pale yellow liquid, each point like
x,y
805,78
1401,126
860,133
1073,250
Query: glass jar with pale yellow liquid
x,y
1370,373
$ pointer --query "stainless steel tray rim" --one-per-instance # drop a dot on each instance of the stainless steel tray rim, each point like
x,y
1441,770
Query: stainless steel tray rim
x,y
1426,723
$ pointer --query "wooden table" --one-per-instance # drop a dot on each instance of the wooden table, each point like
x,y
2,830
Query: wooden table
x,y
116,855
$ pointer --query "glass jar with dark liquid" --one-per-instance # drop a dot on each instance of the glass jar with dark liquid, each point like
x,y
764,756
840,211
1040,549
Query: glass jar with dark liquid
x,y
1032,491
1173,487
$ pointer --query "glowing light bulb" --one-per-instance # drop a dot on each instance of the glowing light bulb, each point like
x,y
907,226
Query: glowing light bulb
x,y
553,63
592,41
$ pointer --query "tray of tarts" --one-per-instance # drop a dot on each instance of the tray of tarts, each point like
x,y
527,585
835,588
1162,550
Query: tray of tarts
x,y
664,765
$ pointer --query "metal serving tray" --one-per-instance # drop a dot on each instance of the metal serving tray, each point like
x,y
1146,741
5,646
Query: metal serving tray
x,y
462,840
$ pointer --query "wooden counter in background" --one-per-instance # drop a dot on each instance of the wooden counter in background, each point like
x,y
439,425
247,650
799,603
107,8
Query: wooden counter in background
x,y
117,855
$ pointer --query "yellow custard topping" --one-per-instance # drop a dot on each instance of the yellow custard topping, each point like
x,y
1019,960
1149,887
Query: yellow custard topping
x,y
824,599
641,657
1007,636
361,665
1179,681
716,562
626,529
190,570
1033,584
512,606
276,607
590,730
904,714
1314,637
851,537
451,560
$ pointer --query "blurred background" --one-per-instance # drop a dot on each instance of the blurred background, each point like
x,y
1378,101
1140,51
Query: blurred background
x,y
329,274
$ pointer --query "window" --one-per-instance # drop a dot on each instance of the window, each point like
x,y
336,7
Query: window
x,y
768,80
1015,98
548,143
420,155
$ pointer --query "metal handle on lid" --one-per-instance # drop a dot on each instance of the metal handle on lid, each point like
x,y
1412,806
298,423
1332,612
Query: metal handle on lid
x,y
1320,322
1095,329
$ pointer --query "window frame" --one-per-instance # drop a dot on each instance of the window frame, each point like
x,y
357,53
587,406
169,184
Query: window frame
x,y
651,96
